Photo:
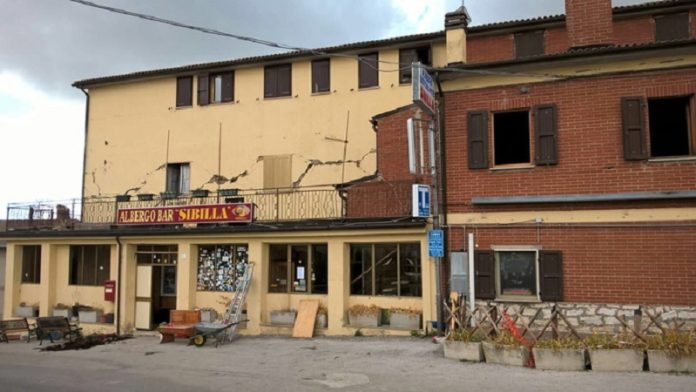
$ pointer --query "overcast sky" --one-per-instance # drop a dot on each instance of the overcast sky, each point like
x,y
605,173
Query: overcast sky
x,y
45,45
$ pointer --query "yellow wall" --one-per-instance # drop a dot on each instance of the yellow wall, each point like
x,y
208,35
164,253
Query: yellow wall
x,y
129,124
29,294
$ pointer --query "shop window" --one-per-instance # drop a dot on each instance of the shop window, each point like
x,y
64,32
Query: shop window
x,y
277,171
409,56
511,138
220,266
671,133
156,254
298,269
89,265
178,178
216,88
321,76
184,91
277,81
368,70
388,269
31,264
672,27
529,43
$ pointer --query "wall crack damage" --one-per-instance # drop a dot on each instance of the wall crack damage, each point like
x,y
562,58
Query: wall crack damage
x,y
312,163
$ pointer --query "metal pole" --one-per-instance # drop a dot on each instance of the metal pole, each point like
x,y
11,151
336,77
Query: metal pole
x,y
436,219
472,298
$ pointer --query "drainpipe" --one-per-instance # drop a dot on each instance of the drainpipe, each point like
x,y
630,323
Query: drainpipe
x,y
84,151
118,286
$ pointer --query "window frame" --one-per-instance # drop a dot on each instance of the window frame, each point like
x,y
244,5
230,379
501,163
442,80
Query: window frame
x,y
363,67
289,286
536,297
79,278
690,124
530,140
373,269
180,98
405,71
184,181
33,275
315,88
212,88
275,71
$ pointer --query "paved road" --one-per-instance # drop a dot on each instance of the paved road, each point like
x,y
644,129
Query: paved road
x,y
282,364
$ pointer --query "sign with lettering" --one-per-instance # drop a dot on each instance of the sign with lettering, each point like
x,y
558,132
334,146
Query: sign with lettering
x,y
423,88
212,213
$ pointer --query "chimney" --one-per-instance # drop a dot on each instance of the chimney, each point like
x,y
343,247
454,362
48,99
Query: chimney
x,y
456,23
589,23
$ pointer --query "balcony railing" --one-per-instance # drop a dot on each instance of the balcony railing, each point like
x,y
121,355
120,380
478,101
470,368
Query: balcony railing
x,y
270,205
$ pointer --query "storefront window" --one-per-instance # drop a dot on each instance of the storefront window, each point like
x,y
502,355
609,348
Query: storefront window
x,y
361,269
220,266
278,269
385,269
298,269
89,265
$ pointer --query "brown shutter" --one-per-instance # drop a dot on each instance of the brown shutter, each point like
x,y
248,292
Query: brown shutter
x,y
529,43
546,132
284,80
551,275
634,134
184,93
228,87
406,59
477,137
672,27
270,82
321,76
203,85
484,275
368,70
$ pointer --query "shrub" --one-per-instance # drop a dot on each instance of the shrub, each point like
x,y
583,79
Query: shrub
x,y
557,344
505,338
674,342
364,310
602,341
467,335
414,312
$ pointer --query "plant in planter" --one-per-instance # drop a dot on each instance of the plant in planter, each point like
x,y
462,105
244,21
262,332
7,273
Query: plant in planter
x,y
62,310
208,315
283,317
505,349
322,318
672,351
200,193
145,196
615,353
404,318
560,354
228,192
24,310
364,316
465,345
168,195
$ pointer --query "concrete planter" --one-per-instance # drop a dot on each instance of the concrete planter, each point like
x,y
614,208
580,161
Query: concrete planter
x,y
321,321
505,355
90,316
463,351
27,311
663,362
364,320
565,359
283,317
405,321
208,315
62,312
617,360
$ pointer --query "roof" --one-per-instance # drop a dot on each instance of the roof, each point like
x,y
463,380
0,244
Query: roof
x,y
438,35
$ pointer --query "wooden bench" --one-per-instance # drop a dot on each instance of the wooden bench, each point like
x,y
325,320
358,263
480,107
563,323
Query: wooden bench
x,y
13,327
45,326
181,325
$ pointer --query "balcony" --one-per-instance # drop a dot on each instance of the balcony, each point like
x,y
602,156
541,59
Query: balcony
x,y
270,205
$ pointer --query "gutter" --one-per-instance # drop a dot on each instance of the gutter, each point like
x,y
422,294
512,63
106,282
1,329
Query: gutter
x,y
84,150
118,287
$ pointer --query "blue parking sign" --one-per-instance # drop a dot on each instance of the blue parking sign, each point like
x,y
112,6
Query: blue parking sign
x,y
436,243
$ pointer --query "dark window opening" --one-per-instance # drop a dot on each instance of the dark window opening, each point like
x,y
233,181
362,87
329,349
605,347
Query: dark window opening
x,y
672,27
222,87
90,265
409,56
321,76
298,269
385,269
670,133
178,175
277,81
31,264
368,70
511,137
530,43
184,91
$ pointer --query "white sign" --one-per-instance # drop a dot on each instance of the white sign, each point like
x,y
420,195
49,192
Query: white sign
x,y
421,201
423,88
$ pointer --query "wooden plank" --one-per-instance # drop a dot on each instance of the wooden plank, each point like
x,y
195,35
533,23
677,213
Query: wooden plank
x,y
306,317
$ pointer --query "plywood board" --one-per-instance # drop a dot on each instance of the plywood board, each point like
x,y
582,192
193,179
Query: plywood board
x,y
306,317
142,315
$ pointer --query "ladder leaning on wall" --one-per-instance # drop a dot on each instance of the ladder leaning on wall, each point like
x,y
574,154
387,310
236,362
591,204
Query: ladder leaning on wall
x,y
233,313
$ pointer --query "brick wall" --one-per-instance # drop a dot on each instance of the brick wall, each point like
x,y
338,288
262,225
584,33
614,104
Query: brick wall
x,y
590,143
638,265
589,22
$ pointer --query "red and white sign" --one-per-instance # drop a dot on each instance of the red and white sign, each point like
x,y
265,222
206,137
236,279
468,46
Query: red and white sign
x,y
212,213
423,88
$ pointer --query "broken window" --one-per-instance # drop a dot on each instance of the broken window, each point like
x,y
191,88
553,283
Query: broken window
x,y
178,177
305,267
385,269
31,264
511,138
529,43
222,87
409,56
89,265
671,131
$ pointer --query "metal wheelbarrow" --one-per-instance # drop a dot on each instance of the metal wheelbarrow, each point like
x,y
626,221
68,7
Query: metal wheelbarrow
x,y
217,331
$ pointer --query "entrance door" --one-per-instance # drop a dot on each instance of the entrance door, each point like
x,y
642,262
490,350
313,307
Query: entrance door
x,y
143,297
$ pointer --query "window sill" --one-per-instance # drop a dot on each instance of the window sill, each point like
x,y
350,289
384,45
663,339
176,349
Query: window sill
x,y
320,93
183,107
513,298
368,88
673,159
277,98
218,104
522,166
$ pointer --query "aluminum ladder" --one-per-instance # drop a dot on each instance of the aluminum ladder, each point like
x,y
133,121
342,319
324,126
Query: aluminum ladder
x,y
233,313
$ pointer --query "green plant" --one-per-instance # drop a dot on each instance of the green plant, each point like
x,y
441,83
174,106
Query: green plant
x,y
417,334
505,338
557,344
364,310
603,341
467,335
676,343
358,333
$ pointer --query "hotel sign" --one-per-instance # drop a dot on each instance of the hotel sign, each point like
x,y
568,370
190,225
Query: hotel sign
x,y
212,213
423,88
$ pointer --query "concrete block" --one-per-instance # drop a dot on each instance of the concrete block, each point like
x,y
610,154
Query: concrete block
x,y
505,355
404,321
463,351
283,317
364,320
664,362
565,359
617,360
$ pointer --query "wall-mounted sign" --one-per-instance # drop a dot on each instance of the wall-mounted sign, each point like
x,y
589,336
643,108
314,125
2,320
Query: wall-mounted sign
x,y
421,200
423,88
436,243
212,213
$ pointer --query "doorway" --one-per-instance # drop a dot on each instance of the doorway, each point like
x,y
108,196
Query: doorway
x,y
155,285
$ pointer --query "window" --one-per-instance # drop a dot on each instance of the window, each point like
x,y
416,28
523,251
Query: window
x,y
156,254
368,70
304,266
670,130
178,175
409,56
184,91
31,264
321,76
89,265
216,88
277,171
529,43
385,269
277,81
511,138
218,266
516,273
672,27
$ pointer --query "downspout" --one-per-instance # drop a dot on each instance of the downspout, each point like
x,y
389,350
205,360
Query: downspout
x,y
84,150
118,286
442,174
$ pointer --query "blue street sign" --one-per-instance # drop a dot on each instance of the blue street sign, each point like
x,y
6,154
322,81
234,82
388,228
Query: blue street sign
x,y
436,243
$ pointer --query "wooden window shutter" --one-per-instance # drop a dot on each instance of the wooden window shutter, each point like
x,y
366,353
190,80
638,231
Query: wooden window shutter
x,y
672,27
321,76
203,86
270,82
477,136
551,275
284,80
546,133
277,171
228,87
184,94
529,43
484,275
634,134
368,73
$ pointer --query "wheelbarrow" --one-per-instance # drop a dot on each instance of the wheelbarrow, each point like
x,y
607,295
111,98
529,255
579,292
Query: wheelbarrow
x,y
204,331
